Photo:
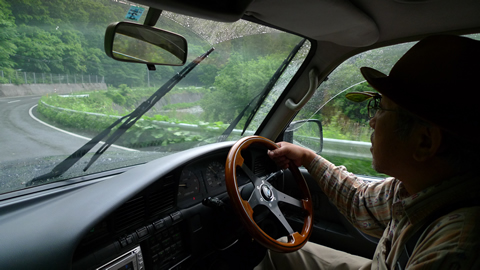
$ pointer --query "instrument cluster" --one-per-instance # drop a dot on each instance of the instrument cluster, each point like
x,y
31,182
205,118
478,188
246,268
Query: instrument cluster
x,y
205,177
200,180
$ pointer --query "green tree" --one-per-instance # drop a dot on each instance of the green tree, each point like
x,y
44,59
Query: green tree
x,y
124,73
57,36
93,58
32,12
39,50
232,91
7,34
73,52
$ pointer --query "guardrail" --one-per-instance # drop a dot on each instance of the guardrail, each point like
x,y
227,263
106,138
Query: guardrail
x,y
333,147
348,149
341,148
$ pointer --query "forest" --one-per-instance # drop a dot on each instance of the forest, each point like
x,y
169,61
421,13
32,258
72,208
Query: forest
x,y
60,38
66,37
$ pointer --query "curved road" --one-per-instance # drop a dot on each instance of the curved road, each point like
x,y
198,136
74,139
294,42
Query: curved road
x,y
21,136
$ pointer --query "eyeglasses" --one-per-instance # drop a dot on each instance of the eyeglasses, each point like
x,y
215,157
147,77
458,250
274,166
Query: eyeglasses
x,y
374,106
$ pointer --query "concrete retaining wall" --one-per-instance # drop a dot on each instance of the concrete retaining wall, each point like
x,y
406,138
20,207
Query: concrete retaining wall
x,y
12,90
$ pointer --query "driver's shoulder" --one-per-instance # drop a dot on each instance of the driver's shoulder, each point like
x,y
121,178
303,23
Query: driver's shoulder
x,y
458,227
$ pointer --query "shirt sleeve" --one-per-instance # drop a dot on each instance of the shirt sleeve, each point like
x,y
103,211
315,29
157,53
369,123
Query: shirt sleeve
x,y
366,205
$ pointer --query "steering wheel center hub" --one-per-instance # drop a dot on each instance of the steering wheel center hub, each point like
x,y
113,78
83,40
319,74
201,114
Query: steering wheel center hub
x,y
267,192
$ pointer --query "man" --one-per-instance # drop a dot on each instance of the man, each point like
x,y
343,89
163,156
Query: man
x,y
426,136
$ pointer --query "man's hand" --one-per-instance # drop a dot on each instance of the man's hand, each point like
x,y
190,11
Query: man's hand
x,y
290,152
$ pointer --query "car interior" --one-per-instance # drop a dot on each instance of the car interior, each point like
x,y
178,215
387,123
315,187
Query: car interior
x,y
209,205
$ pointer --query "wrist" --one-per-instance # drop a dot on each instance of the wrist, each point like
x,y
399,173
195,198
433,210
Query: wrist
x,y
308,157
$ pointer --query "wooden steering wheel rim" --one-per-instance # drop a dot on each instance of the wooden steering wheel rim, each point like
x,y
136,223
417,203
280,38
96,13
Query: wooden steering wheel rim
x,y
245,211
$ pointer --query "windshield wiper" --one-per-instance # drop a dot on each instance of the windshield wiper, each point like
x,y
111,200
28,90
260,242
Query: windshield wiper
x,y
263,95
131,119
232,125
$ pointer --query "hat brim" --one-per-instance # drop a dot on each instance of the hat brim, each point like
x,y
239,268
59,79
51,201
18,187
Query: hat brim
x,y
387,86
371,74
376,79
360,96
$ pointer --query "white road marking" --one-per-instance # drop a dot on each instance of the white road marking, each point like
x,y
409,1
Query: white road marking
x,y
13,101
73,134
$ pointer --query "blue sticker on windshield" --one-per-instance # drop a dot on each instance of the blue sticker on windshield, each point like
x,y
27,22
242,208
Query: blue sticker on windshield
x,y
134,13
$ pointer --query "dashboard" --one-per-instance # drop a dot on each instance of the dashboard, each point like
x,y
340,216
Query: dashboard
x,y
170,213
201,179
157,225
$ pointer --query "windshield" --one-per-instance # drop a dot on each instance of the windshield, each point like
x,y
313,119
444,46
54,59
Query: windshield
x,y
58,89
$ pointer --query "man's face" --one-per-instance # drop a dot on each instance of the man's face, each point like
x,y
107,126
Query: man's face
x,y
390,152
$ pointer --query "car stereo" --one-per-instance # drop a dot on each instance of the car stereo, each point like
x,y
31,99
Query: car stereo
x,y
131,260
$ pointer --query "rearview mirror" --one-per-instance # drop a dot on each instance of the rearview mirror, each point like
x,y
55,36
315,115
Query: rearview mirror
x,y
130,42
307,133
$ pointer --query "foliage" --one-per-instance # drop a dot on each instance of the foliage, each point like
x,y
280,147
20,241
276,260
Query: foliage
x,y
7,33
76,120
150,131
232,93
182,105
59,37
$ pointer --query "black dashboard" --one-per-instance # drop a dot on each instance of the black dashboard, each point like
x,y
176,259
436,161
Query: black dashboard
x,y
160,222
170,213
166,214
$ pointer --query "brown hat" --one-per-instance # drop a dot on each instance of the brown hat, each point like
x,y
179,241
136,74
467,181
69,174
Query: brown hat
x,y
438,80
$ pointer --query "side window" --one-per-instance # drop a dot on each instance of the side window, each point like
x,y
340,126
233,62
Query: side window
x,y
346,132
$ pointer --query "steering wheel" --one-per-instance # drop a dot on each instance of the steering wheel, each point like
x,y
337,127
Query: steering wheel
x,y
265,194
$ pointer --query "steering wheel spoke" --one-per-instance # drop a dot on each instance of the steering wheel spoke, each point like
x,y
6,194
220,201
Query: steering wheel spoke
x,y
279,215
254,199
255,180
289,199
265,194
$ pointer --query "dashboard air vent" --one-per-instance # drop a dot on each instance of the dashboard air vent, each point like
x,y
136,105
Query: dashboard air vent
x,y
162,200
259,168
131,212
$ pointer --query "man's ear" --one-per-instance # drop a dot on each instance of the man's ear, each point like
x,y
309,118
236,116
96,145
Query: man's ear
x,y
429,142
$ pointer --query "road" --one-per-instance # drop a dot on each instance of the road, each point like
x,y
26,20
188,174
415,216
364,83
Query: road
x,y
22,136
